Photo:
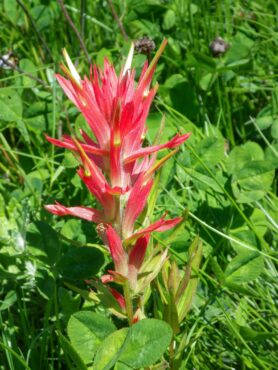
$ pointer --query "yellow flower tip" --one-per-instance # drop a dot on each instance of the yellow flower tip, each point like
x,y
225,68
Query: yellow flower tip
x,y
146,93
71,68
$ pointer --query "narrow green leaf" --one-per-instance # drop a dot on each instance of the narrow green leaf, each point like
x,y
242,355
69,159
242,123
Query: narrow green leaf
x,y
189,283
170,315
252,335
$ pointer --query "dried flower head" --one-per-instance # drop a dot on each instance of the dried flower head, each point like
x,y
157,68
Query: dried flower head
x,y
218,46
144,45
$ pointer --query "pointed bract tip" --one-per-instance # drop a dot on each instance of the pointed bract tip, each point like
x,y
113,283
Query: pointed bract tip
x,y
73,72
129,58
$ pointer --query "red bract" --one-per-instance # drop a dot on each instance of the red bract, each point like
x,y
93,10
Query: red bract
x,y
115,166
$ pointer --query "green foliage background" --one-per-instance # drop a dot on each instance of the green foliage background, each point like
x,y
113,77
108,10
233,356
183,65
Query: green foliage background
x,y
223,179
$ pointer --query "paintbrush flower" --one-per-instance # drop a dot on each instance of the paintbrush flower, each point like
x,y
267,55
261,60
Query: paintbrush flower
x,y
115,165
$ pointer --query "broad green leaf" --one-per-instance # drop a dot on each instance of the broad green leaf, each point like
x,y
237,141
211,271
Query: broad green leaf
x,y
169,19
211,149
193,8
204,181
253,180
274,129
9,299
236,64
217,270
204,61
110,349
81,263
7,275
242,289
38,124
241,316
27,66
243,154
144,27
255,168
43,17
71,352
260,222
121,366
173,47
249,196
69,302
271,154
207,81
184,99
174,80
72,230
240,50
45,283
264,122
11,111
50,241
86,331
10,104
11,10
247,236
35,180
244,268
147,341
5,223
69,160
139,346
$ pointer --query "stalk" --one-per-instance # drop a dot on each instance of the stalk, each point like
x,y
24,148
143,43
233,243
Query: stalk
x,y
126,287
128,302
118,215
172,354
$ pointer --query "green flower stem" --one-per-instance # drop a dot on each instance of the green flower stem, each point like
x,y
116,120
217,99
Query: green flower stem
x,y
172,354
128,302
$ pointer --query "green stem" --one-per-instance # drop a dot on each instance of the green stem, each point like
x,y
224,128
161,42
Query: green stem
x,y
172,354
128,303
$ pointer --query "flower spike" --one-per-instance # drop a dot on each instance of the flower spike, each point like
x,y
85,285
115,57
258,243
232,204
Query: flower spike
x,y
118,169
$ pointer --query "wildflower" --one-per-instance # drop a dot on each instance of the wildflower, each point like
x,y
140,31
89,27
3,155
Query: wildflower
x,y
114,165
